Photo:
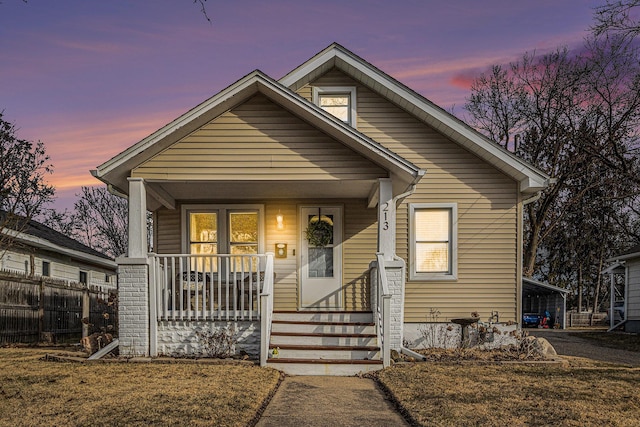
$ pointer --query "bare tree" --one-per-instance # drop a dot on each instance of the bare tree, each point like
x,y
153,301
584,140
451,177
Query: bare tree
x,y
203,8
23,189
575,117
100,221
621,17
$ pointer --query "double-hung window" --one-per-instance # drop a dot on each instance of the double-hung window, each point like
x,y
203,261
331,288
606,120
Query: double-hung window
x,y
215,230
433,241
337,101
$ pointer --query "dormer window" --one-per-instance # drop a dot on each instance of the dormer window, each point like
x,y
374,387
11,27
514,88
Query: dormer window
x,y
337,101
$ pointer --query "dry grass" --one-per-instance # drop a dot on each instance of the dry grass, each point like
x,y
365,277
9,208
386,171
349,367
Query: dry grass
x,y
588,394
455,355
34,392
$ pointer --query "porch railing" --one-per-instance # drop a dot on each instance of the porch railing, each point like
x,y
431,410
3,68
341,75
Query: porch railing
x,y
209,287
383,311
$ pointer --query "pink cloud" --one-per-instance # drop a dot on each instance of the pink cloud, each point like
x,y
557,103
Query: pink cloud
x,y
463,81
81,144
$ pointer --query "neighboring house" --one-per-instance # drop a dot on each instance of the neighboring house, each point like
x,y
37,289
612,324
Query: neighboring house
x,y
337,191
41,251
625,299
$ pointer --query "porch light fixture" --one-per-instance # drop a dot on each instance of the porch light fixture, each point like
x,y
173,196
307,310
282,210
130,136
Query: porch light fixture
x,y
279,221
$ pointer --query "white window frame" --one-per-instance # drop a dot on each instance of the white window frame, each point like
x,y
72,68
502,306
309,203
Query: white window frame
x,y
223,226
338,90
452,274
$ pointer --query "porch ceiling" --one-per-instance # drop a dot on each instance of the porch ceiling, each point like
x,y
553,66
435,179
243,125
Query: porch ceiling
x,y
257,190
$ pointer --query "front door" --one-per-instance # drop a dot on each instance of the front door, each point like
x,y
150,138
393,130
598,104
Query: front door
x,y
321,257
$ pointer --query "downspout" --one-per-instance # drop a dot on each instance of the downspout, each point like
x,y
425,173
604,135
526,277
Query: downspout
x,y
532,199
113,190
396,201
520,250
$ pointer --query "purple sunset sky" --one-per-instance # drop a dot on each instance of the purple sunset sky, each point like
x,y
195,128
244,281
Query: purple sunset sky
x,y
90,78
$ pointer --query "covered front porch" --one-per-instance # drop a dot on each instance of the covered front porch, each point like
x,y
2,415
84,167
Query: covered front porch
x,y
188,291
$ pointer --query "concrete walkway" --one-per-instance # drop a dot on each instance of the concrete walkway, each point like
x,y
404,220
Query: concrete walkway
x,y
329,401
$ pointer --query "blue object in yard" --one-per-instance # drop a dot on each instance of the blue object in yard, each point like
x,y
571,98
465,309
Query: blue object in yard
x,y
531,320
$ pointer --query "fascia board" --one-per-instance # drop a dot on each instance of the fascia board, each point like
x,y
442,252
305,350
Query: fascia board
x,y
323,58
545,285
45,244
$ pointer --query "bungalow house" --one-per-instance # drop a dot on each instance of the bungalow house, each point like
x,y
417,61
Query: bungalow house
x,y
625,297
323,216
38,250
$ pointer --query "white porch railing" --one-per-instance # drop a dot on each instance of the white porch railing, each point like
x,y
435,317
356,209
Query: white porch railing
x,y
383,311
209,287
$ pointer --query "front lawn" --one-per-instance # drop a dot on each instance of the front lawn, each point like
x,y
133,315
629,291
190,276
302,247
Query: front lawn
x,y
463,394
34,392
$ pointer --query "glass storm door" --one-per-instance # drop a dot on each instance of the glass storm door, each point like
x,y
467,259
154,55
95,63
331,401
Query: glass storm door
x,y
321,257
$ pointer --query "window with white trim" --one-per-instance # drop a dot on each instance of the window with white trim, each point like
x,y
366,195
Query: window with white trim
x,y
433,241
232,230
337,101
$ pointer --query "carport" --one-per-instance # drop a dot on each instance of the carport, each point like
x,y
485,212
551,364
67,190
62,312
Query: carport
x,y
538,297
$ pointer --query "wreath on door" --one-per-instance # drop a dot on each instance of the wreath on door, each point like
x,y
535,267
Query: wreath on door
x,y
319,232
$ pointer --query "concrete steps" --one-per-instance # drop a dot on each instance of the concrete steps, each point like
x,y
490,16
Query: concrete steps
x,y
324,343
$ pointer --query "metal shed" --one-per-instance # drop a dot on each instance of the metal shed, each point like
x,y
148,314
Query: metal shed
x,y
538,297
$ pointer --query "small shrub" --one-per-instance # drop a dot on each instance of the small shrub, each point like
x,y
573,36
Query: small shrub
x,y
219,343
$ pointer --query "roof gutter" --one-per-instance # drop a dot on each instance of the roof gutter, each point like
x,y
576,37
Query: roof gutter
x,y
536,197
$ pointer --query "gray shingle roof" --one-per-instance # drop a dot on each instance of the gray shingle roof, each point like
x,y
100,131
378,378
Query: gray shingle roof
x,y
36,229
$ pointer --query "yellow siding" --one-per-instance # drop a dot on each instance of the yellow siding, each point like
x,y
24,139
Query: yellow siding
x,y
487,211
258,140
167,231
286,283
360,244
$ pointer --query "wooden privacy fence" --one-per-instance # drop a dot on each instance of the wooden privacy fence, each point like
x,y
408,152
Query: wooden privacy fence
x,y
40,309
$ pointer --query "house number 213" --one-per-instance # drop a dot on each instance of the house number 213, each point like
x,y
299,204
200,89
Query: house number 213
x,y
385,216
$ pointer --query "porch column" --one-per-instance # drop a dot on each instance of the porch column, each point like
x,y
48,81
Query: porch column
x,y
386,219
137,218
133,278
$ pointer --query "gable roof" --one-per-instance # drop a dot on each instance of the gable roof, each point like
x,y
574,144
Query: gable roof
x,y
39,235
530,178
116,170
